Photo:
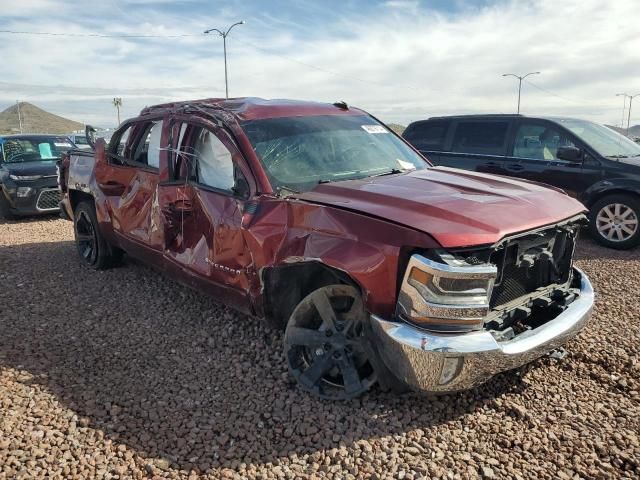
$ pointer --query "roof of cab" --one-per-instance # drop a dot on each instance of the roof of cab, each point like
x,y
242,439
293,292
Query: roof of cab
x,y
253,108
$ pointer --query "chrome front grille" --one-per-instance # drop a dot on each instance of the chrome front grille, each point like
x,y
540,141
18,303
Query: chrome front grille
x,y
48,200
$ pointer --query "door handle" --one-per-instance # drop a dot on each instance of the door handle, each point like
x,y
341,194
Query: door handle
x,y
179,207
112,188
492,165
515,167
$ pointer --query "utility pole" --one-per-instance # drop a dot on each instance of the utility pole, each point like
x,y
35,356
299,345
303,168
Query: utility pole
x,y
630,97
624,106
19,116
520,78
117,102
224,44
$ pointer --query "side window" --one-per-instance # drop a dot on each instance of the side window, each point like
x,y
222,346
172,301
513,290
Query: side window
x,y
201,157
539,141
139,143
480,137
427,135
214,165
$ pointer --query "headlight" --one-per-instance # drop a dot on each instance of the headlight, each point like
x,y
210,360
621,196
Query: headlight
x,y
444,297
25,177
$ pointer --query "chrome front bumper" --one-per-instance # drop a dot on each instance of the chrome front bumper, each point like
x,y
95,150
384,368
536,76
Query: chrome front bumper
x,y
432,362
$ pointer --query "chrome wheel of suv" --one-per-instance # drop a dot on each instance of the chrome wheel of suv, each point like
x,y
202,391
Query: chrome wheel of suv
x,y
615,221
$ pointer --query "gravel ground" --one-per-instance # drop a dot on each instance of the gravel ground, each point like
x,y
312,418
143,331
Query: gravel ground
x,y
125,374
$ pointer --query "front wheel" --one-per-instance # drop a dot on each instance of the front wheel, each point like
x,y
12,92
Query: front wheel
x,y
326,345
93,249
615,221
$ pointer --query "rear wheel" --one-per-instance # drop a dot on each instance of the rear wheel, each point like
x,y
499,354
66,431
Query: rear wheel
x,y
93,249
615,221
325,344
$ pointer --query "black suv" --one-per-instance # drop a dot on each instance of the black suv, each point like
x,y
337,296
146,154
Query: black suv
x,y
591,162
28,179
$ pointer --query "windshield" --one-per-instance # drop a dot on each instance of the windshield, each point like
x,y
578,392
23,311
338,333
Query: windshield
x,y
603,140
300,152
34,149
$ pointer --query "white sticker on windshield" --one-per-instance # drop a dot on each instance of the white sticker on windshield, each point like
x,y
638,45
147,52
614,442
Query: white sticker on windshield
x,y
374,129
405,165
60,144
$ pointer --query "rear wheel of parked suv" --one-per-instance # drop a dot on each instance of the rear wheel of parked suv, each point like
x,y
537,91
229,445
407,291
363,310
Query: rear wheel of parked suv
x,y
614,221
326,345
93,249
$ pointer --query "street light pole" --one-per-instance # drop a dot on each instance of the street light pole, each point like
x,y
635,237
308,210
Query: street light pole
x,y
224,46
630,97
520,78
117,102
624,106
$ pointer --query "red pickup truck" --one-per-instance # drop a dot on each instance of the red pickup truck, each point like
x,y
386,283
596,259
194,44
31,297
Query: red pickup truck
x,y
321,220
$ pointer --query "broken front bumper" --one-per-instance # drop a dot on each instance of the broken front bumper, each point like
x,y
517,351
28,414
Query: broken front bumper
x,y
432,362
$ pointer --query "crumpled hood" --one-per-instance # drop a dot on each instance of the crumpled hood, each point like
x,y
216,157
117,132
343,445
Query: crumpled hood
x,y
458,208
44,168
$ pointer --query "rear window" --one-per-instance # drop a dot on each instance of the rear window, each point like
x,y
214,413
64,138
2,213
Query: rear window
x,y
427,135
480,137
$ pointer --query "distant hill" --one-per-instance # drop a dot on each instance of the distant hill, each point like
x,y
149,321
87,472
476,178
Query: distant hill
x,y
634,131
35,120
397,128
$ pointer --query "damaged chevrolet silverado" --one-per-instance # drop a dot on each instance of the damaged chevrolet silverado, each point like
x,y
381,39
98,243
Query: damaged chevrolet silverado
x,y
319,219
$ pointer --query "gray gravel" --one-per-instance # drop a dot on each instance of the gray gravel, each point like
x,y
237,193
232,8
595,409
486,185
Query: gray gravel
x,y
125,374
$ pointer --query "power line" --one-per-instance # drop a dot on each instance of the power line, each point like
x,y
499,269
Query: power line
x,y
98,35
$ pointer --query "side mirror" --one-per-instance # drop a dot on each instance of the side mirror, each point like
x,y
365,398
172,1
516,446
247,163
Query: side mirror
x,y
571,154
90,133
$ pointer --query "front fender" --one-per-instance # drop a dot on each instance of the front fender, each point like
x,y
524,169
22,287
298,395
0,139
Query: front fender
x,y
609,186
369,250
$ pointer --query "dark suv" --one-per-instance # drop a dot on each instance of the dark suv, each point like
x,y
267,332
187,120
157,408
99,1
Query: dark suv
x,y
593,163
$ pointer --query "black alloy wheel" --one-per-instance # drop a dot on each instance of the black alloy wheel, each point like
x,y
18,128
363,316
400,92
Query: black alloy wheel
x,y
326,346
86,238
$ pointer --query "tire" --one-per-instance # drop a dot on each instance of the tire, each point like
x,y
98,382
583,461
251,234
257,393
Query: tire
x,y
614,221
326,344
5,208
93,249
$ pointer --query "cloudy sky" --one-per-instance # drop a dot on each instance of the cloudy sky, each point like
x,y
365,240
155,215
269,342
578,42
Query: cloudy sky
x,y
400,59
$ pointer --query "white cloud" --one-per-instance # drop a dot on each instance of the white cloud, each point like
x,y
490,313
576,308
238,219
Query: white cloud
x,y
404,66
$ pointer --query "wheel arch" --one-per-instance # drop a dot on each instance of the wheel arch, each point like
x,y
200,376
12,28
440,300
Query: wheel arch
x,y
599,191
77,196
300,278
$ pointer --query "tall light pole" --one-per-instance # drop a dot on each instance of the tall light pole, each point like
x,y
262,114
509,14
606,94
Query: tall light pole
x,y
224,43
624,106
117,102
520,78
630,97
19,115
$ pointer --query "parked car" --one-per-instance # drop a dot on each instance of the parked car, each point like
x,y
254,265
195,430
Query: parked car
x,y
80,140
591,162
28,184
319,219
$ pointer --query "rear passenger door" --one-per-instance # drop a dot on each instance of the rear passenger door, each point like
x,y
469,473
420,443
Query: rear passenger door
x,y
533,155
477,144
129,182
